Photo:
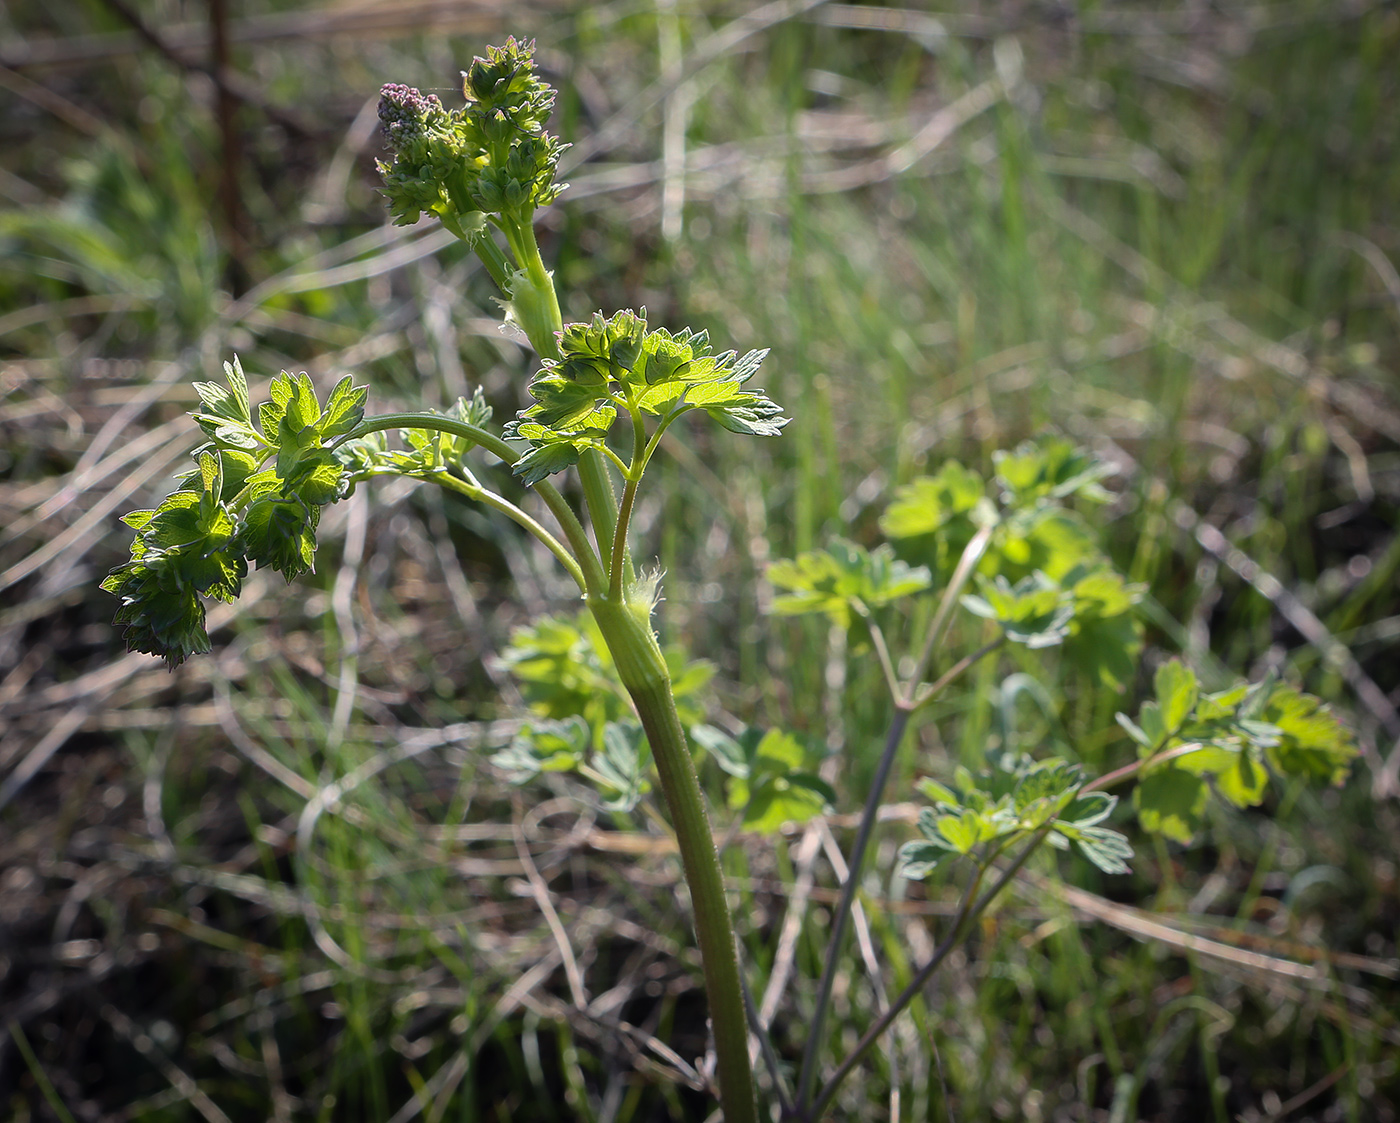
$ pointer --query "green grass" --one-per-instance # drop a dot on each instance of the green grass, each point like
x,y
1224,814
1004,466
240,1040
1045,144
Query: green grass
x,y
1169,246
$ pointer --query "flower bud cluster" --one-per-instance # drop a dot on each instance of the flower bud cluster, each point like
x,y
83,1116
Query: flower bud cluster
x,y
491,157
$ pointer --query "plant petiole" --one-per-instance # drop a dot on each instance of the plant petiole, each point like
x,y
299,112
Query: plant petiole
x,y
962,924
499,503
583,552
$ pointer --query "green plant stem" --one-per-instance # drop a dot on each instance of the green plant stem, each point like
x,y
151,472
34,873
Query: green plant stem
x,y
599,497
494,260
905,706
624,512
962,925
642,669
971,555
510,510
536,308
765,1048
589,565
537,312
807,1079
41,1077
937,687
1128,771
882,649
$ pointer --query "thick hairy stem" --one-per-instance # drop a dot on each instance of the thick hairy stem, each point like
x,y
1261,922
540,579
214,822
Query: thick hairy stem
x,y
640,665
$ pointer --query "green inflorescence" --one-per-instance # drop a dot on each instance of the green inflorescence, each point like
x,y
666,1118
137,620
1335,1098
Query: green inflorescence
x,y
490,157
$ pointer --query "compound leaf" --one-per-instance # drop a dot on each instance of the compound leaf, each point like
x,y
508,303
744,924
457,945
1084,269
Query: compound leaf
x,y
1105,848
843,577
926,504
623,764
544,745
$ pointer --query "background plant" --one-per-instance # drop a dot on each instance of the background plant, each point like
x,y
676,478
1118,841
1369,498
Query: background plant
x,y
994,287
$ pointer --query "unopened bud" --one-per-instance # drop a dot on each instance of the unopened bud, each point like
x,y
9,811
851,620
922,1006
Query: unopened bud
x,y
403,113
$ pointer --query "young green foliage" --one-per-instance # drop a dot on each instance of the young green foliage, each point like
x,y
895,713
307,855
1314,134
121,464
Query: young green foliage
x,y
1043,576
544,745
982,815
844,578
1189,743
772,776
184,549
255,497
618,760
565,669
568,676
616,364
1035,611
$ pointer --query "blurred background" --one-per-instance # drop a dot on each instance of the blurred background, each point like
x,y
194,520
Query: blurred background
x,y
1168,231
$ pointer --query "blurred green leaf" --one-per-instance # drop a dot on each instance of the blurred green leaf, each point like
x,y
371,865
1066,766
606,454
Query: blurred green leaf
x,y
1035,611
1051,468
544,745
623,765
1177,690
926,505
1171,802
842,578
1313,742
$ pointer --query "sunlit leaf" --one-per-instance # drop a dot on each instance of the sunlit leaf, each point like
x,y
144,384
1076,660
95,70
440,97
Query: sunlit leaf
x,y
1171,802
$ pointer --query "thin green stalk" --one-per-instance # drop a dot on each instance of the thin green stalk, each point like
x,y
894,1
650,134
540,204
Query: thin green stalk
x,y
642,669
433,421
41,1077
806,1081
1264,865
765,1048
882,650
624,512
962,925
971,555
905,705
510,510
934,689
1128,771
591,567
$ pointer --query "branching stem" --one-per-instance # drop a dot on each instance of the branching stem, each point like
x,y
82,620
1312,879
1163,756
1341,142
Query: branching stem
x,y
905,707
934,689
500,503
962,924
632,478
589,565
